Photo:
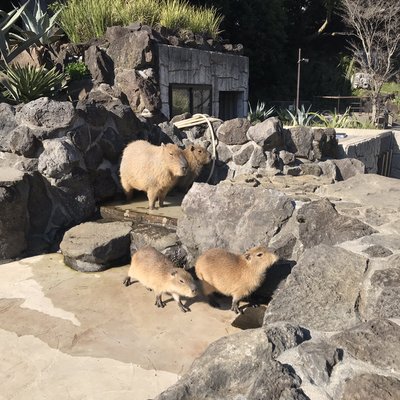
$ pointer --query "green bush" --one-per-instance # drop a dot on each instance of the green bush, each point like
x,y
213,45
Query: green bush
x,y
83,20
27,83
77,70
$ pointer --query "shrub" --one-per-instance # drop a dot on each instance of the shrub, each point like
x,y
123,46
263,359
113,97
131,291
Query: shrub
x,y
77,70
302,117
331,119
146,11
205,21
27,83
260,113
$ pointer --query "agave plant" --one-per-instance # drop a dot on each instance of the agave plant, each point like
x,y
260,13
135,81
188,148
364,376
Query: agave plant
x,y
302,117
26,83
331,119
260,113
39,23
9,48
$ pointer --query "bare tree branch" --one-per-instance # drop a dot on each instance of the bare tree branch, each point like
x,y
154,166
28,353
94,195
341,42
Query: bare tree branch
x,y
375,43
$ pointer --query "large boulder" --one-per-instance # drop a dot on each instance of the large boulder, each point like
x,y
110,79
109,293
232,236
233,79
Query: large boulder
x,y
319,222
93,246
231,216
59,158
299,141
234,131
7,124
322,291
100,65
14,191
268,134
130,50
348,167
236,367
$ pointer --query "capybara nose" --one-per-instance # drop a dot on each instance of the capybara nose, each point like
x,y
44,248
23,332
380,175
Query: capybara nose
x,y
194,291
184,170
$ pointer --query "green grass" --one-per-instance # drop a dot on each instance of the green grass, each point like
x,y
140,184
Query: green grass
x,y
391,87
83,20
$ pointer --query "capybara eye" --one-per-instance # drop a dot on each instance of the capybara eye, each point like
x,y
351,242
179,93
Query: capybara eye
x,y
181,281
171,154
259,254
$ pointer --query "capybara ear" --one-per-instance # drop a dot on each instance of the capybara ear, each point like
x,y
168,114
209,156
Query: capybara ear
x,y
162,144
247,256
191,148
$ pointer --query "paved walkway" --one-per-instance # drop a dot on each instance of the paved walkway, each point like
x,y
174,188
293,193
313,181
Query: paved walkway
x,y
70,335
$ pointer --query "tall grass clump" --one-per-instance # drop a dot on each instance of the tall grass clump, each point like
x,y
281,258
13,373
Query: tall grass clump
x,y
83,20
205,21
175,14
148,12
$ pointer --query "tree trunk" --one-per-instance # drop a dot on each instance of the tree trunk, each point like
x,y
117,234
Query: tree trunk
x,y
374,112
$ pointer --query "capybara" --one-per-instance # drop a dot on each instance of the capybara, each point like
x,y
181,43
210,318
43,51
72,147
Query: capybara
x,y
152,169
157,272
197,157
236,275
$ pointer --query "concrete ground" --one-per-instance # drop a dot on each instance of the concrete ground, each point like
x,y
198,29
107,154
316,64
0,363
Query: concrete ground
x,y
69,335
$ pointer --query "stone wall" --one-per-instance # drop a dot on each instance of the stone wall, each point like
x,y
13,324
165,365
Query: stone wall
x,y
224,72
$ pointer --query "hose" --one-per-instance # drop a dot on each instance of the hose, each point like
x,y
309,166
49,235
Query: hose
x,y
198,119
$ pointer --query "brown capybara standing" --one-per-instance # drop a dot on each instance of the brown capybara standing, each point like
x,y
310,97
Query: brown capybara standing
x,y
156,271
197,157
152,169
236,275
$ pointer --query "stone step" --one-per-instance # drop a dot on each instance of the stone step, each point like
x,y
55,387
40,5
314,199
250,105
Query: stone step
x,y
137,211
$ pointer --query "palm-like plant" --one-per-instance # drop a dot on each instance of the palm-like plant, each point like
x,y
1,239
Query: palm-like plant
x,y
302,117
26,83
9,48
260,112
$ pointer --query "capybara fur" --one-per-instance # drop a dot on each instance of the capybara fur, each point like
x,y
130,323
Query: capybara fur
x,y
236,275
152,169
156,272
197,157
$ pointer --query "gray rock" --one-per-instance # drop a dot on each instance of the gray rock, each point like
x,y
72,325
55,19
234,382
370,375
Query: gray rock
x,y
100,65
321,223
224,154
325,143
237,367
377,250
389,241
47,113
20,163
299,140
94,246
243,155
14,190
318,360
267,134
258,158
311,169
287,157
58,158
141,93
169,133
371,387
112,144
348,167
329,169
7,124
158,237
293,171
93,157
284,336
231,216
130,50
381,296
322,290
234,131
375,342
23,142
104,186
272,159
370,190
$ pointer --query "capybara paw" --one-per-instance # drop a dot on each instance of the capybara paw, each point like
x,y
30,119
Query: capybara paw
x,y
127,281
160,304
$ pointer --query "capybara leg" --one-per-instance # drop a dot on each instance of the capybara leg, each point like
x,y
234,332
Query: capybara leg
x,y
161,198
159,303
235,306
128,281
179,301
152,196
127,189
